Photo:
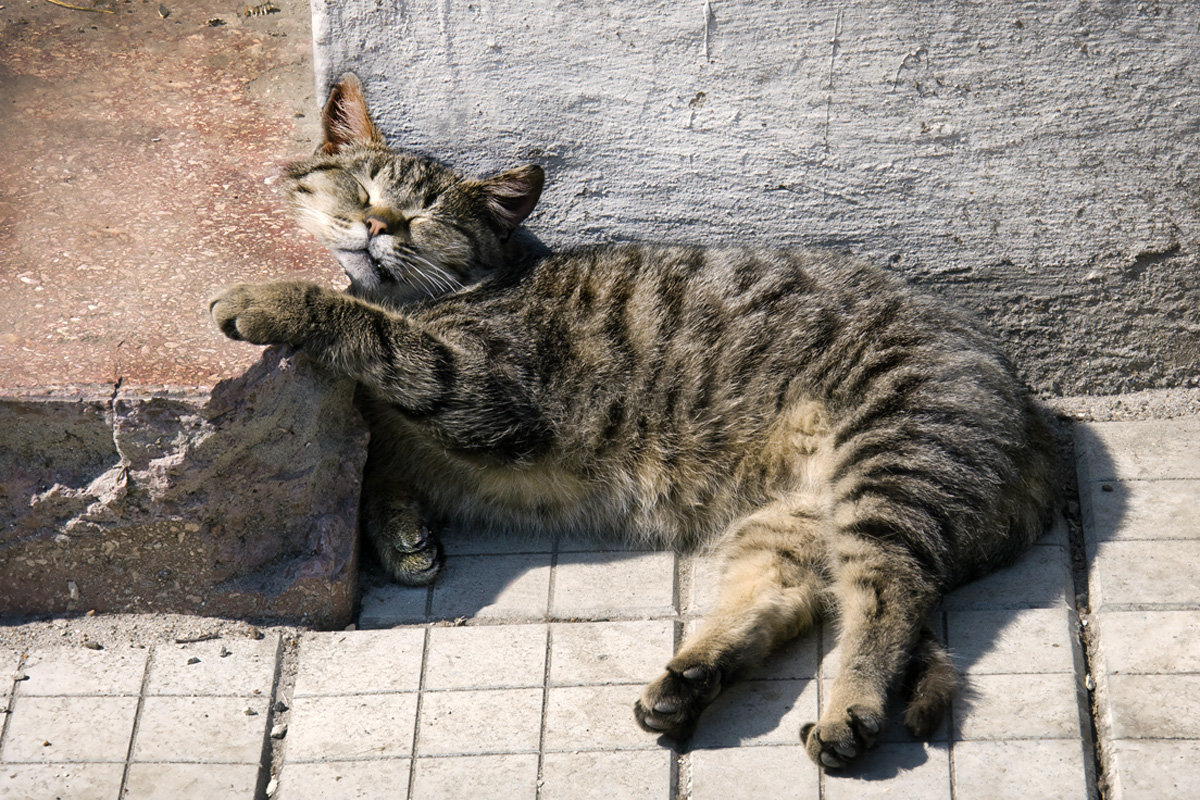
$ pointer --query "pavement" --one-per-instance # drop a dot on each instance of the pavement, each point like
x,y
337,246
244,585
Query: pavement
x,y
514,677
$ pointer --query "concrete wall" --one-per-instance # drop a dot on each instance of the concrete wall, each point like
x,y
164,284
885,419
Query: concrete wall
x,y
1037,161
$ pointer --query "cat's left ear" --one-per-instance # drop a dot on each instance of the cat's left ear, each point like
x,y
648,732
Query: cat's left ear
x,y
346,119
511,195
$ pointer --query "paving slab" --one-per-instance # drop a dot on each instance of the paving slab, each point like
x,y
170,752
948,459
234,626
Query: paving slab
x,y
581,718
1149,769
225,666
83,671
480,722
509,587
74,781
895,771
154,781
609,585
202,730
376,779
772,771
389,605
1139,450
1000,707
486,657
757,713
69,729
623,775
1031,770
360,662
1032,640
609,652
351,728
458,777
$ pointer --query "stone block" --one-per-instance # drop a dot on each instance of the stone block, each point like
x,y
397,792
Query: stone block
x,y
623,775
239,503
617,584
486,657
609,652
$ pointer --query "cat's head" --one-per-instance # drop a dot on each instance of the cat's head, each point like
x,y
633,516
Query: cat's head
x,y
402,225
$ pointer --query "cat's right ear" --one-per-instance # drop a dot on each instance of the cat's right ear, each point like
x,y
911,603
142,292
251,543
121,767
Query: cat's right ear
x,y
346,120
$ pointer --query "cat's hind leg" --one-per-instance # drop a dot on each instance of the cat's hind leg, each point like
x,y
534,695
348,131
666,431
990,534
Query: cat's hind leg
x,y
931,686
882,600
771,591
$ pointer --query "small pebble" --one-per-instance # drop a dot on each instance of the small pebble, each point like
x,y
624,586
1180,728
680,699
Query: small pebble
x,y
90,645
351,627
254,632
193,660
225,652
279,731
20,676
1106,487
280,706
272,787
249,712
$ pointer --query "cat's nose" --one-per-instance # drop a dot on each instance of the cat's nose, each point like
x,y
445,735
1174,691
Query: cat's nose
x,y
375,226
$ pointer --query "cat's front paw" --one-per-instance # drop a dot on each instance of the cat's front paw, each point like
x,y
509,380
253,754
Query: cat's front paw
x,y
672,704
270,313
840,738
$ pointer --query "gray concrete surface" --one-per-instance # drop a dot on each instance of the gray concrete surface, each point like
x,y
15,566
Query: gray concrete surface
x,y
1036,161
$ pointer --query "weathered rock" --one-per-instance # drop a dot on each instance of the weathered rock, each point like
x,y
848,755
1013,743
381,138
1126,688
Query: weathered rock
x,y
240,503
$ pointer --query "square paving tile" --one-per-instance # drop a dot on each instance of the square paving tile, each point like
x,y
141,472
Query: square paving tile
x,y
1041,578
80,671
376,779
73,781
360,662
69,729
1138,573
753,772
514,587
609,652
624,775
486,657
614,585
392,604
1153,769
1149,641
475,541
1154,706
218,667
1001,707
480,722
350,728
215,730
1142,510
1029,770
704,585
1012,640
910,771
226,781
582,718
460,777
757,712
1145,449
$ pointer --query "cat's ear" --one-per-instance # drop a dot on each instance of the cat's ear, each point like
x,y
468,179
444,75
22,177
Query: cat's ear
x,y
346,119
511,195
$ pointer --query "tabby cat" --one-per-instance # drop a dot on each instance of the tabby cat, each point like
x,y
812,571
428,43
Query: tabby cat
x,y
854,448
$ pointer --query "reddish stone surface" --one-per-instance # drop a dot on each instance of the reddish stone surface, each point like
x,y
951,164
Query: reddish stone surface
x,y
137,175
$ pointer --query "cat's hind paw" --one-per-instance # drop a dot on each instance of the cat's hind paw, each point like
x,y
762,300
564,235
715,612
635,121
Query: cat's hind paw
x,y
672,703
839,739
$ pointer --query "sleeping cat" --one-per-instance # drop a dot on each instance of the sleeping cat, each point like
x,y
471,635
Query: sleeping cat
x,y
854,448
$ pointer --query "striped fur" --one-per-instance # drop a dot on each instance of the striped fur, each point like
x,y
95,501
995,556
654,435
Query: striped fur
x,y
853,447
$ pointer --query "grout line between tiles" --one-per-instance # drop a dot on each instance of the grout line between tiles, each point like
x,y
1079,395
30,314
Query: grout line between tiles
x,y
137,719
412,763
12,701
541,751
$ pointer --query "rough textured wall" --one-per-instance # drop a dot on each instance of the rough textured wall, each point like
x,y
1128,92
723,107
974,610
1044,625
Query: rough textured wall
x,y
1037,161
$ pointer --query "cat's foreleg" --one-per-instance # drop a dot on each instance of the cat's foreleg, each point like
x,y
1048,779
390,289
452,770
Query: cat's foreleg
x,y
882,602
771,591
